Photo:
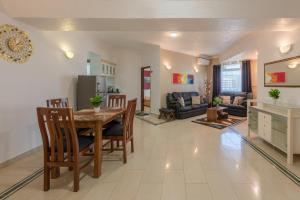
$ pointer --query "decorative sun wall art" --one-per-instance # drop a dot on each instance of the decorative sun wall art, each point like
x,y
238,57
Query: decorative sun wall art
x,y
15,45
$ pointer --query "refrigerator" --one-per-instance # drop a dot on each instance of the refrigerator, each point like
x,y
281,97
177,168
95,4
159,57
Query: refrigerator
x,y
87,87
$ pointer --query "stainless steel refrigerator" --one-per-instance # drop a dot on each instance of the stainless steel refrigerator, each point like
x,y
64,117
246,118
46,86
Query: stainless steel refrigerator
x,y
87,87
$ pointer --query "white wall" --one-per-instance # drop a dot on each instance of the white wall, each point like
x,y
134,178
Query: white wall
x,y
47,74
151,57
128,78
180,63
267,44
129,63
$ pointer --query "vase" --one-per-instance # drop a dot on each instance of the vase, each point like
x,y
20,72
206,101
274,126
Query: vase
x,y
97,109
275,101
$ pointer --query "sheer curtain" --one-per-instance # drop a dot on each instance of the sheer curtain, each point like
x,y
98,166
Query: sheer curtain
x,y
231,77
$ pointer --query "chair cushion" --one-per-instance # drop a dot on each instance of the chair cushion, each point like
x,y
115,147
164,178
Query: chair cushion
x,y
82,130
114,130
85,141
113,122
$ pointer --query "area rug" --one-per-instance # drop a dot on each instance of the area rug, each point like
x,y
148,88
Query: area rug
x,y
152,119
220,124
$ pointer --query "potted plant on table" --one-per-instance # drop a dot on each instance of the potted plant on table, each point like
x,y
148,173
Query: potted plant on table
x,y
274,94
217,101
96,102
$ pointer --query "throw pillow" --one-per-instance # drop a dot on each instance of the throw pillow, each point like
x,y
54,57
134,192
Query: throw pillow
x,y
226,99
181,101
196,100
238,100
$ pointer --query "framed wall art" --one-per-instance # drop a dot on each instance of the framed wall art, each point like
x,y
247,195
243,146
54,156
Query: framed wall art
x,y
179,78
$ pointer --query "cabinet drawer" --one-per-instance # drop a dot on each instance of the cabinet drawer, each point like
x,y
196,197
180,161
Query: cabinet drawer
x,y
279,140
279,123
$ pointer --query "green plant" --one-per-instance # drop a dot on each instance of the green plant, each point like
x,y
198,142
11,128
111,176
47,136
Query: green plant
x,y
96,101
274,93
217,101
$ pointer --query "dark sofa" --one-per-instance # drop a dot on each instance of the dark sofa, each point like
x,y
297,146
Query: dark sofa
x,y
237,110
189,110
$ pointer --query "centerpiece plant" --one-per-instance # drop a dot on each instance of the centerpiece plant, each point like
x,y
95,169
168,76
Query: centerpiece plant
x,y
217,101
96,101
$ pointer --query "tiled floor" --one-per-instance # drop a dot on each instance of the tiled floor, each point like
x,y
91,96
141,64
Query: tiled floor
x,y
272,151
19,169
179,160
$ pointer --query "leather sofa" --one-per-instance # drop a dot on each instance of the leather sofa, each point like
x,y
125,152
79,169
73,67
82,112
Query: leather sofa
x,y
189,110
237,110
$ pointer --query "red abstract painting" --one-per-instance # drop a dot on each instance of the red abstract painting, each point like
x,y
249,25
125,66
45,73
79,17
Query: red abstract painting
x,y
275,77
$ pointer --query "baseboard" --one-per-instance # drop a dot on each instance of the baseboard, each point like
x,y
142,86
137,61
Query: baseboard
x,y
23,155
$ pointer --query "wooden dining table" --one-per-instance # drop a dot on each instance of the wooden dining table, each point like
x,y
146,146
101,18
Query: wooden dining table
x,y
88,118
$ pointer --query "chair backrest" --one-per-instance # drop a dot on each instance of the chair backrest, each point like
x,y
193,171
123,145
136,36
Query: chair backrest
x,y
58,103
58,132
116,100
129,118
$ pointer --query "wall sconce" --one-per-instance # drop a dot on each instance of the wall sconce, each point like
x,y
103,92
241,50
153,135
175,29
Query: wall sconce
x,y
284,49
69,54
293,65
196,69
168,67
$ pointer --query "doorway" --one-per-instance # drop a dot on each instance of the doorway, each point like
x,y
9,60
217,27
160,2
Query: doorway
x,y
146,89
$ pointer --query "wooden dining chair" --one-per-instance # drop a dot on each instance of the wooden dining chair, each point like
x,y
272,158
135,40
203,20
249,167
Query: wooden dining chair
x,y
116,101
122,132
64,103
58,103
62,146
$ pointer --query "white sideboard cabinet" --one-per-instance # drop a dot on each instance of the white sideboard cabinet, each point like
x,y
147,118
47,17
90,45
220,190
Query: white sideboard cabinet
x,y
277,124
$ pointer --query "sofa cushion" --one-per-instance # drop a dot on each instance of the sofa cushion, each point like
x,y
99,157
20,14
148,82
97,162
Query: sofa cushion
x,y
196,100
185,109
238,100
226,99
176,95
198,106
234,107
181,101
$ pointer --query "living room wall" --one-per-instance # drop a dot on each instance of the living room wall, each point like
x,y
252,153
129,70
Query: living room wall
x,y
179,63
47,74
266,44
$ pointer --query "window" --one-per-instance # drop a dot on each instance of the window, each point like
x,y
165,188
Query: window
x,y
231,79
88,67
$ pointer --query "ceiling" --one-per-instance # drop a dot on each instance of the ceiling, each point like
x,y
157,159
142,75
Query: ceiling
x,y
205,27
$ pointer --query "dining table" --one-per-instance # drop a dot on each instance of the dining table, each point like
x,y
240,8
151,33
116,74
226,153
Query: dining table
x,y
88,118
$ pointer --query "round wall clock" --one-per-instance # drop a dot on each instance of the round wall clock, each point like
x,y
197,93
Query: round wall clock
x,y
15,45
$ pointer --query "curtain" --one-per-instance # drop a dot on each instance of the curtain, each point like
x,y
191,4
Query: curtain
x,y
246,76
216,80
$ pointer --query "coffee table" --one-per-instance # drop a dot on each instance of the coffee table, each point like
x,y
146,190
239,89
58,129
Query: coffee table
x,y
214,112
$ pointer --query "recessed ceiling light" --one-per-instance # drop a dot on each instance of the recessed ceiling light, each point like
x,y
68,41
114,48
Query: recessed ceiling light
x,y
173,34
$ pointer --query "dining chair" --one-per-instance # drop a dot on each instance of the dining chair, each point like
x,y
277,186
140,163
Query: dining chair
x,y
116,101
122,132
58,103
62,145
64,103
